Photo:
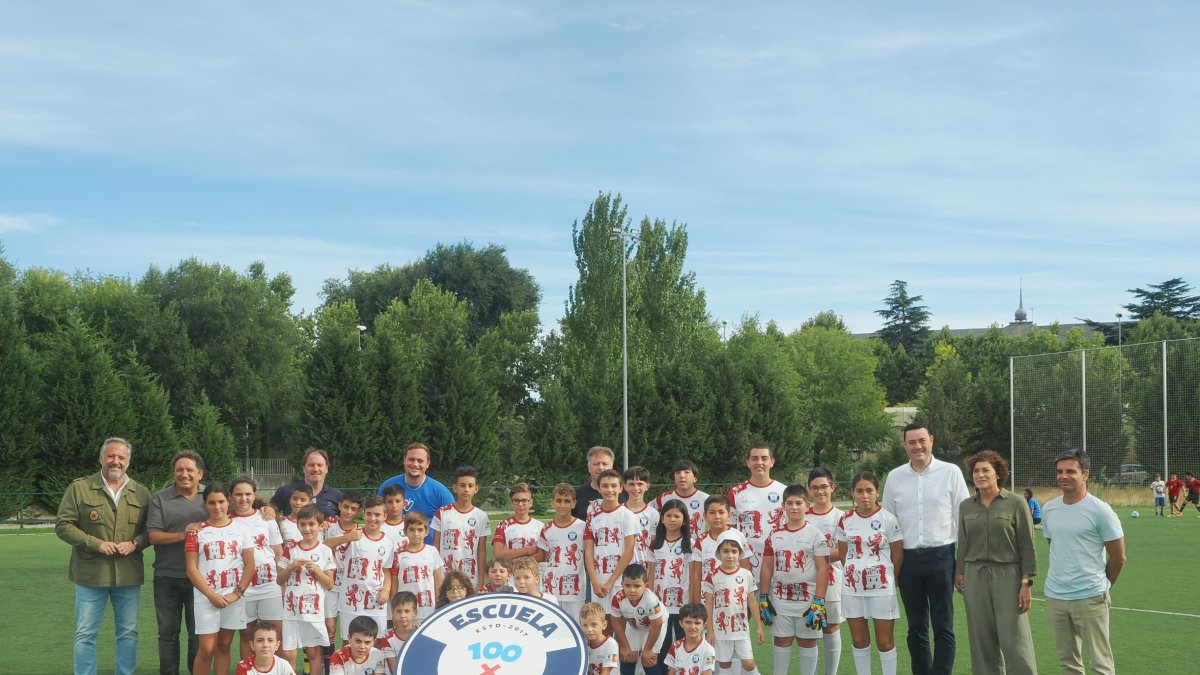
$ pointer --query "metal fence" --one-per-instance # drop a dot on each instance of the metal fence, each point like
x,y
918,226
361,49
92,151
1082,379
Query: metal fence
x,y
1135,409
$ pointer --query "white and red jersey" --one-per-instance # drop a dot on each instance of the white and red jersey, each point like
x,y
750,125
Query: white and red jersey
x,y
869,569
637,616
461,534
390,644
704,551
607,531
696,661
364,567
304,596
794,570
516,535
694,503
672,573
827,523
394,532
647,519
278,667
563,572
731,593
218,552
263,534
756,511
603,655
342,663
414,572
289,532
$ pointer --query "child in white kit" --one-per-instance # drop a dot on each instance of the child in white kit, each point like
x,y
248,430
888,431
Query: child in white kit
x,y
728,594
869,540
561,551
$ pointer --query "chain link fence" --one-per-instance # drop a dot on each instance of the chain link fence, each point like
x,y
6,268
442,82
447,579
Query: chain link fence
x,y
1135,409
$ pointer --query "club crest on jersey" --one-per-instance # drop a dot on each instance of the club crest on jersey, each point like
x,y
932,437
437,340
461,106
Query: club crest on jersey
x,y
738,579
876,525
694,504
645,520
773,498
382,550
572,536
695,658
471,521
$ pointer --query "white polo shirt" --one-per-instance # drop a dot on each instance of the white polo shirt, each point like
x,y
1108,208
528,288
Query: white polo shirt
x,y
926,503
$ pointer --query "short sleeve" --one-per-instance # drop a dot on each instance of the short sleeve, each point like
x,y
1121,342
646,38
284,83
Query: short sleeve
x,y
500,537
274,538
768,548
895,534
656,610
436,523
1110,525
820,546
327,562
191,544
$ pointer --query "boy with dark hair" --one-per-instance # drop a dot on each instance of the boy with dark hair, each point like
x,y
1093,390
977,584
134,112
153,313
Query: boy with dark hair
x,y
342,531
636,481
517,536
609,537
685,474
366,584
637,621
692,654
359,655
704,549
794,581
417,567
404,617
302,496
264,640
560,547
461,529
305,573
393,522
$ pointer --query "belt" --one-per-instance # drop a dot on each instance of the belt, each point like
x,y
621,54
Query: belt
x,y
926,550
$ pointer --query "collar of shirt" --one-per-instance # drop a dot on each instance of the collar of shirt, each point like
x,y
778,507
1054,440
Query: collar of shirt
x,y
926,503
115,494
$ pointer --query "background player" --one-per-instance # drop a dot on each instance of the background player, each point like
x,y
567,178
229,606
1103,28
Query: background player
x,y
685,474
306,573
461,529
560,549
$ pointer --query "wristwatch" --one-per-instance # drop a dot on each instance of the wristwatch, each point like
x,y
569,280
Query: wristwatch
x,y
1027,582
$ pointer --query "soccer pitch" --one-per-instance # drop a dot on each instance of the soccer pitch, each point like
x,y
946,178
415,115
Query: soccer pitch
x,y
1153,609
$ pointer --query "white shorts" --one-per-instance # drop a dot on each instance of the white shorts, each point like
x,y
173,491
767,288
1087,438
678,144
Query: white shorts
x,y
637,637
793,626
209,619
331,603
301,634
870,607
266,607
344,618
572,607
728,649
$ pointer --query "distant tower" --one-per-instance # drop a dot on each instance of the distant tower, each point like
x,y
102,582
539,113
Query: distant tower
x,y
1021,322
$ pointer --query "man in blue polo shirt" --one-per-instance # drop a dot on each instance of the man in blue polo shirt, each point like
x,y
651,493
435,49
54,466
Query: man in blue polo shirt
x,y
1081,529
421,493
316,470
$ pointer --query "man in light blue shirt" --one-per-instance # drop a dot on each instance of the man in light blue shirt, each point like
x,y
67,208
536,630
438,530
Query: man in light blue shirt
x,y
422,493
1081,529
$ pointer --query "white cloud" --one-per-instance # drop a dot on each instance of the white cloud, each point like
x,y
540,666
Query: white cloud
x,y
26,222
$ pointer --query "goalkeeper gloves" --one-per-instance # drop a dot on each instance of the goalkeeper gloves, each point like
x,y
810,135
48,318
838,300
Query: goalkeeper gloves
x,y
765,609
815,617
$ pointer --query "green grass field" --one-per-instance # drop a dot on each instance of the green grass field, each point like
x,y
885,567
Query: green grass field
x,y
1149,634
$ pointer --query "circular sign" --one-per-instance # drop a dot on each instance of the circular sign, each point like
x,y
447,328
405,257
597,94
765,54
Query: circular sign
x,y
496,634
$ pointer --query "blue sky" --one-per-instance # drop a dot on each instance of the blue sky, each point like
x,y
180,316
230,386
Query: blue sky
x,y
816,151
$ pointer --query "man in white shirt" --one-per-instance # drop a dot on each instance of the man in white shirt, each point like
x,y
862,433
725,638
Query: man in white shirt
x,y
924,495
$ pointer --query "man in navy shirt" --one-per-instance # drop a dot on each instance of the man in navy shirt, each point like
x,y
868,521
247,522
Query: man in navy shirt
x,y
316,469
421,493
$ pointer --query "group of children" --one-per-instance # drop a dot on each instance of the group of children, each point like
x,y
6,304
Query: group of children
x,y
674,587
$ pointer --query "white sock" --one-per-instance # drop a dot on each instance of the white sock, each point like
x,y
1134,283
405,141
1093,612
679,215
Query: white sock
x,y
751,672
887,661
808,660
833,651
736,667
862,660
783,657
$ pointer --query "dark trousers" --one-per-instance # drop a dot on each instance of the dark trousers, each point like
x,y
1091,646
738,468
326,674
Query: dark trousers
x,y
926,584
172,600
674,632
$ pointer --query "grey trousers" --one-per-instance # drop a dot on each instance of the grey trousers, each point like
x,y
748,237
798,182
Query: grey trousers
x,y
1001,643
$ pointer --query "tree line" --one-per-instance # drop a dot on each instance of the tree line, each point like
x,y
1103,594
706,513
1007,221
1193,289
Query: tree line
x,y
449,350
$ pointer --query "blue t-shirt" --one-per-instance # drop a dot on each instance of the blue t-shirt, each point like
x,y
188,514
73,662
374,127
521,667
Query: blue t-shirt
x,y
1077,534
426,498
1035,509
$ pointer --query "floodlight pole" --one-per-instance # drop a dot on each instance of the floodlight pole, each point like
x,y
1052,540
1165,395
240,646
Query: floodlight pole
x,y
624,235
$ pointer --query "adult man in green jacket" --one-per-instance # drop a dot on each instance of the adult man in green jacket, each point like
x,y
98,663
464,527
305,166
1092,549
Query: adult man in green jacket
x,y
103,518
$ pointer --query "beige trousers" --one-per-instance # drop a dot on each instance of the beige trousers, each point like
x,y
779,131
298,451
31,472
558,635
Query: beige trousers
x,y
1082,623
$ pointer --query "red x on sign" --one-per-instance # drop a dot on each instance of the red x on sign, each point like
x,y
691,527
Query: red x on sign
x,y
489,670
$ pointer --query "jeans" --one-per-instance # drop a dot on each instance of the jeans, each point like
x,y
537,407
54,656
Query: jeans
x,y
926,583
173,598
90,603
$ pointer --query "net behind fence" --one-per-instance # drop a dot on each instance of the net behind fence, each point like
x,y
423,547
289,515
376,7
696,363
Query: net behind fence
x,y
1135,409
